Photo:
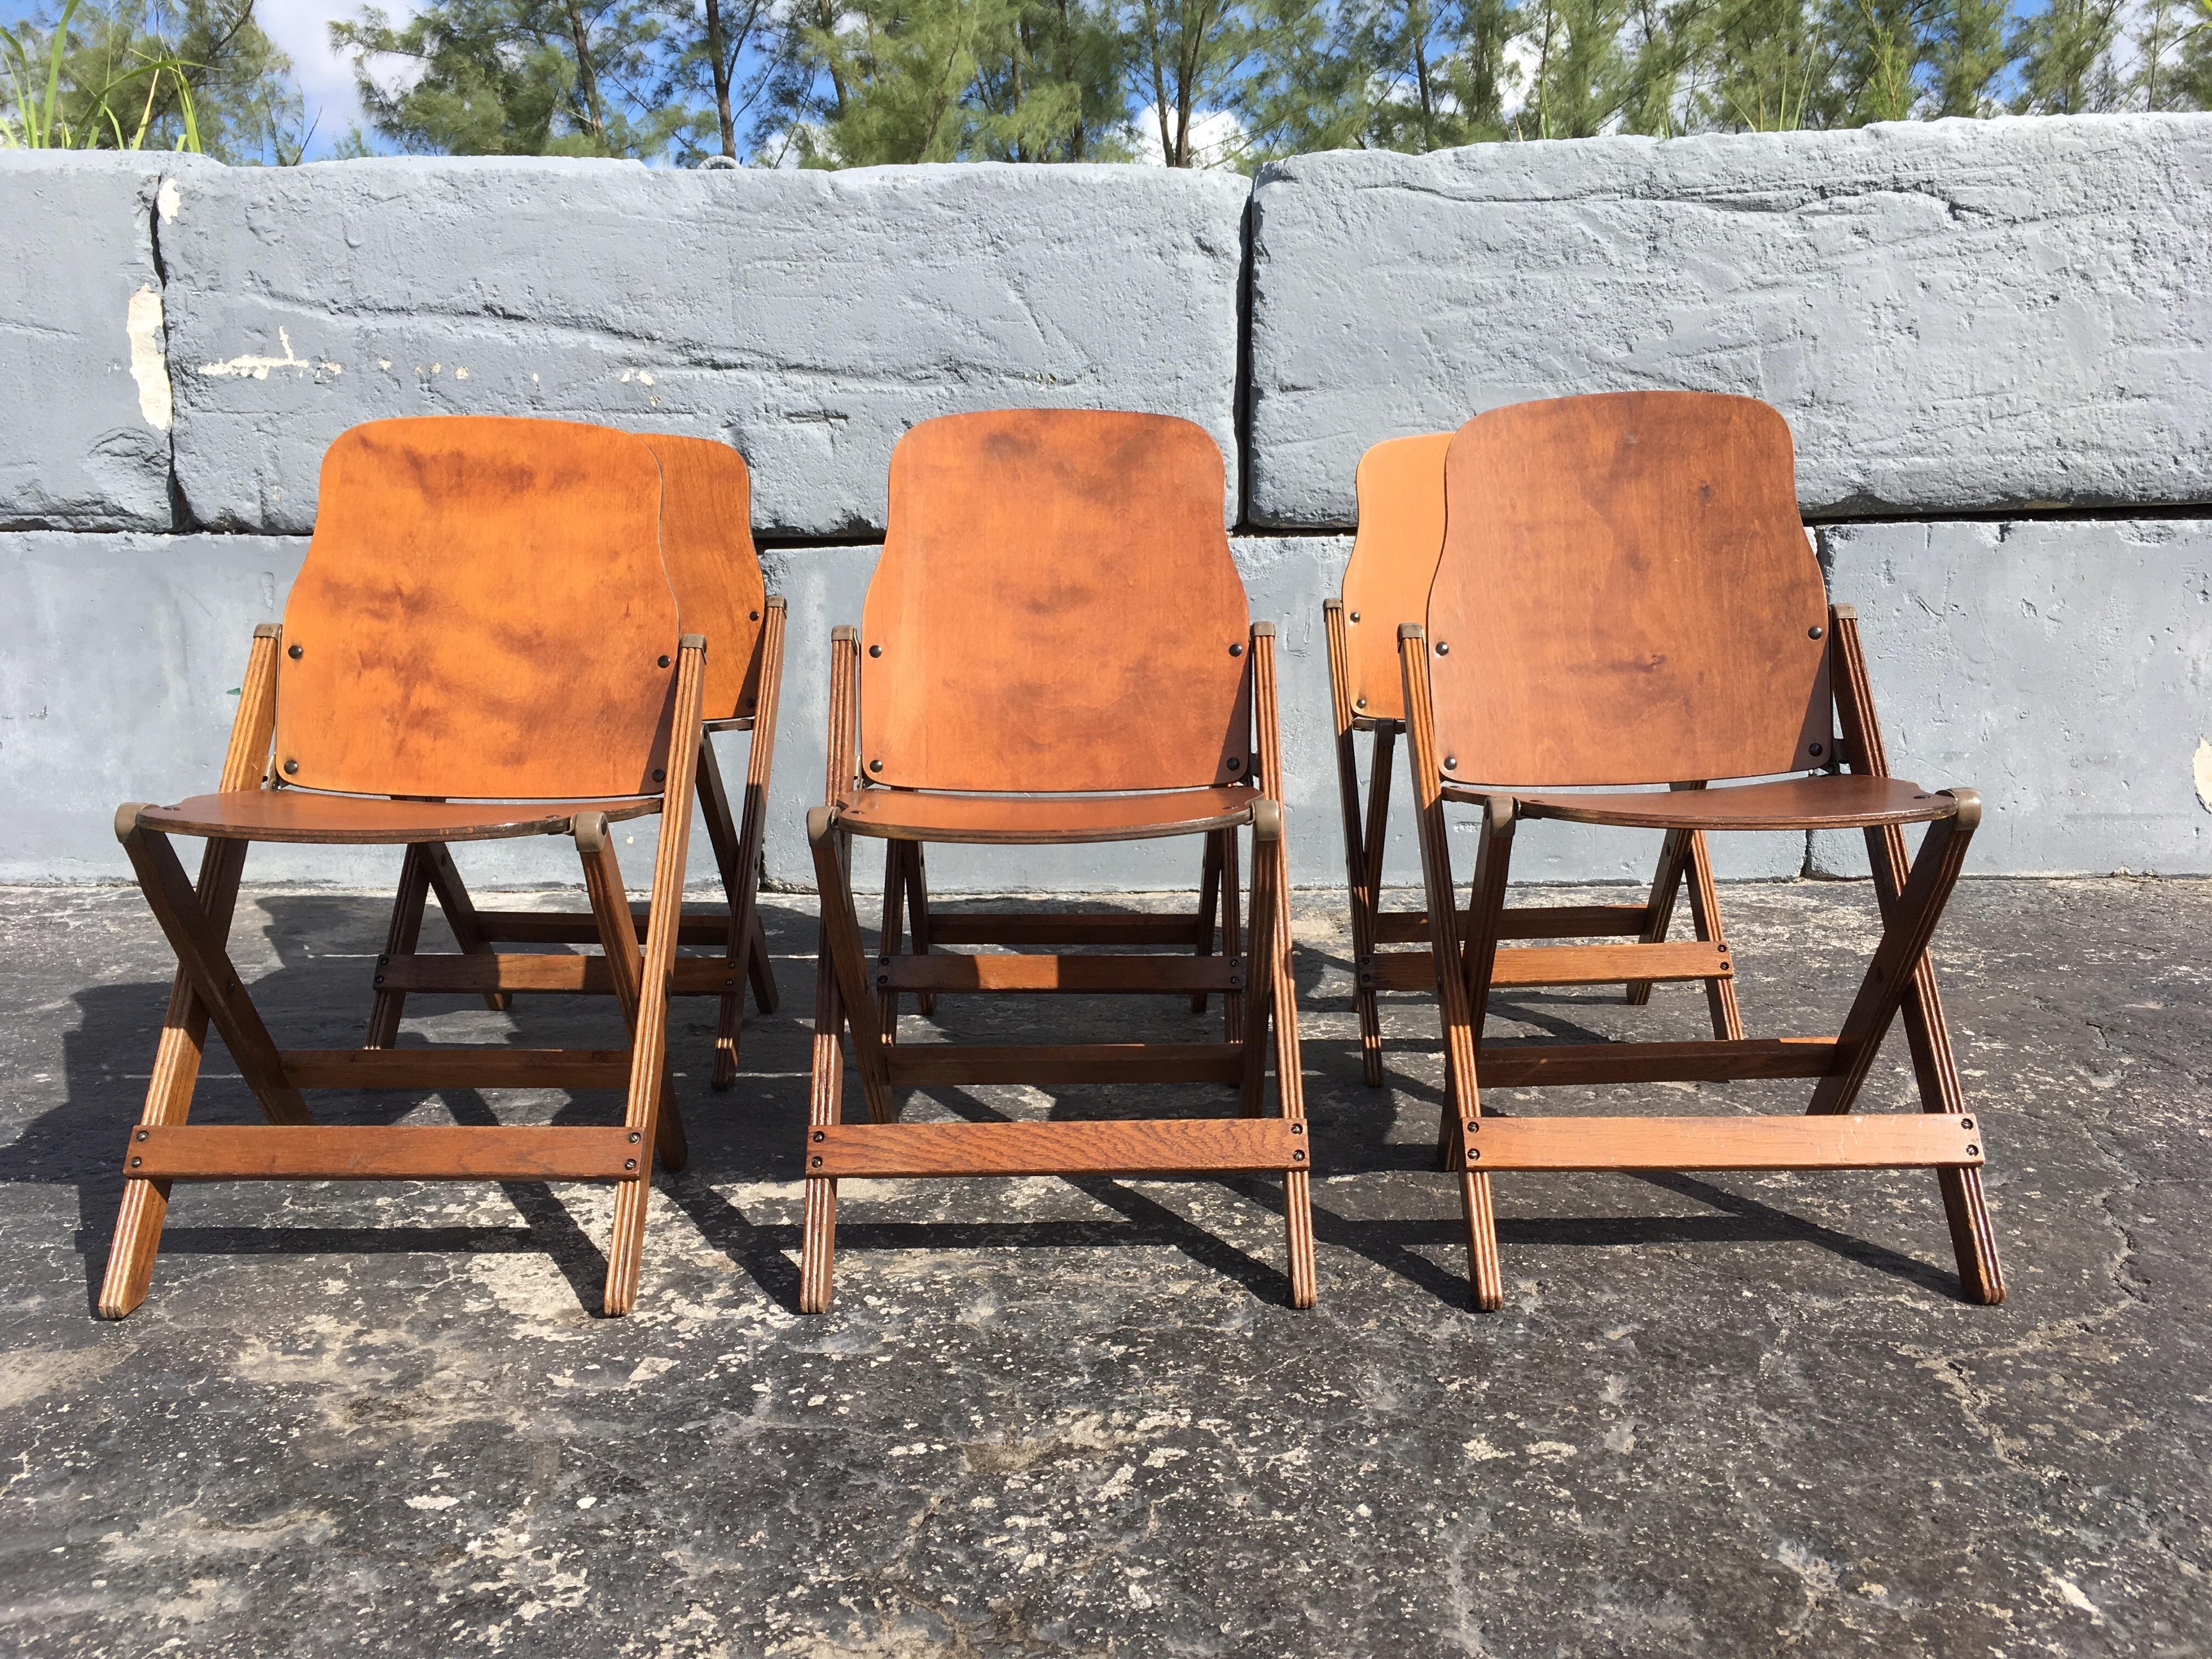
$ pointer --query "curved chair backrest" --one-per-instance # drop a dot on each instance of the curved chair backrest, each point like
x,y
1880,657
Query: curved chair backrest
x,y
482,613
707,542
1393,561
1629,597
1056,610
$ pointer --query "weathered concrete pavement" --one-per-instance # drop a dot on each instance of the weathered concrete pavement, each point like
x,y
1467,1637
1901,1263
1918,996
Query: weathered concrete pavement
x,y
1731,1413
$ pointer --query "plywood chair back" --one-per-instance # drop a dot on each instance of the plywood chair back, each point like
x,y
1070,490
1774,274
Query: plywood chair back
x,y
468,574
1393,563
1634,602
707,542
1055,609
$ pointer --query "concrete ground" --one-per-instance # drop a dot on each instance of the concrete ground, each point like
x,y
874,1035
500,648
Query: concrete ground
x,y
1720,1413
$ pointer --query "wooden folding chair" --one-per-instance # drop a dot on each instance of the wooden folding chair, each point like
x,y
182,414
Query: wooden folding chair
x,y
1630,599
1386,581
1055,610
482,644
706,540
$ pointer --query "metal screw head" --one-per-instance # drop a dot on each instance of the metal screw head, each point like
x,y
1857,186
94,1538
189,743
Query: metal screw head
x,y
875,766
659,776
814,1163
1972,1151
1474,1154
295,651
1813,748
1298,1154
1355,616
1443,649
1815,631
1451,763
821,1134
135,1162
1235,764
875,651
291,767
1964,1123
1360,703
629,1164
664,662
752,615
1235,650
636,1136
1297,1128
1473,1126
140,1135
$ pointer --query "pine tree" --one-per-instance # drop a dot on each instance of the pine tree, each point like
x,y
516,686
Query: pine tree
x,y
2065,57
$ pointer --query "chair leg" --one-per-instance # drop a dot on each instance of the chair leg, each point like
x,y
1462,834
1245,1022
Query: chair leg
x,y
460,913
1369,899
1233,936
1275,992
738,942
130,1271
890,934
405,933
819,1228
1891,975
1659,912
917,918
603,883
1209,908
1705,918
832,861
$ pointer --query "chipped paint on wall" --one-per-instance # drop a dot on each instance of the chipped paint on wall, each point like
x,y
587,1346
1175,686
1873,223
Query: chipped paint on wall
x,y
250,367
150,360
167,200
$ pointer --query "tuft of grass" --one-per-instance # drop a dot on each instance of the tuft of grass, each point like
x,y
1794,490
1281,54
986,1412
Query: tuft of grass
x,y
29,121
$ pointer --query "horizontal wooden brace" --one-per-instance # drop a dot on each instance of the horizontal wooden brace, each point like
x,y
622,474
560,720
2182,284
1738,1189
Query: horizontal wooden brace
x,y
692,977
1088,975
397,1152
1561,965
698,926
917,1065
456,1068
1156,1145
1880,1141
1543,1064
1526,922
1060,927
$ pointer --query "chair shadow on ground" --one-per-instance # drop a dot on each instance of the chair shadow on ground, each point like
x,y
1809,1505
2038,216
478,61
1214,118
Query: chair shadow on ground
x,y
319,996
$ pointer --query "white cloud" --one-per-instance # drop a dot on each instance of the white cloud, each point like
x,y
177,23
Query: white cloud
x,y
1215,136
301,29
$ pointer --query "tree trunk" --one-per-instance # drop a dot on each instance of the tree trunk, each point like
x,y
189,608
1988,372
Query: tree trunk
x,y
718,51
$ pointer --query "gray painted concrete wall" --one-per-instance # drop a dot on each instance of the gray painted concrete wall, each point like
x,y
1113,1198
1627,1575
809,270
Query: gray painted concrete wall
x,y
1956,318
806,318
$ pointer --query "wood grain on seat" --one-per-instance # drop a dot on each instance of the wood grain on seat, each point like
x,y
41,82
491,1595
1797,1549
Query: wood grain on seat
x,y
930,814
305,815
1393,561
1055,607
706,543
469,576
1633,601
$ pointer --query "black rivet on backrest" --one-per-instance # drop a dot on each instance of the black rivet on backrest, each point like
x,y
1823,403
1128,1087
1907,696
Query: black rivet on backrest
x,y
875,651
659,776
1815,631
290,767
875,766
1235,650
664,662
1442,650
295,651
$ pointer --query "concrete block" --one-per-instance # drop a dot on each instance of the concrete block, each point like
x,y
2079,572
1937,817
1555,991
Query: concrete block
x,y
1955,316
2062,668
807,318
82,369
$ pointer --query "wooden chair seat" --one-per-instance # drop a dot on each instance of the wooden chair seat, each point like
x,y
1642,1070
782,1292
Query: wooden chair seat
x,y
1017,820
1828,800
308,815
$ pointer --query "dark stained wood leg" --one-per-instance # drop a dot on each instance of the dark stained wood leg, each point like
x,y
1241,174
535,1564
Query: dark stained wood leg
x,y
1209,906
1264,964
917,918
890,936
1889,978
603,885
200,953
737,950
460,913
406,931
1233,934
850,957
138,1241
1705,917
1374,843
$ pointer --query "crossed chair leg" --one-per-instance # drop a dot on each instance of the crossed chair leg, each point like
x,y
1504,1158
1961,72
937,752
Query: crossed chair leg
x,y
1683,858
164,1147
1945,1136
